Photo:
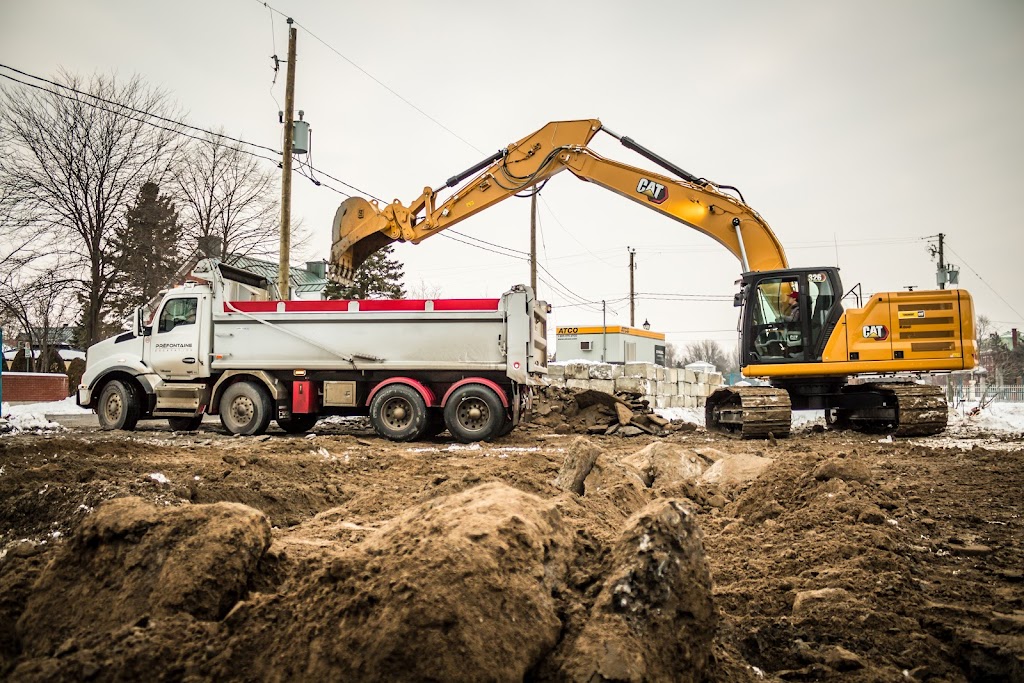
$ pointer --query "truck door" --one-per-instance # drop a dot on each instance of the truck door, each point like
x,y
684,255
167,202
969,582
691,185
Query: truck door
x,y
177,348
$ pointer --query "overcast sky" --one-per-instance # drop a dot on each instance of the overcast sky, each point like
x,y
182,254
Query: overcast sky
x,y
857,130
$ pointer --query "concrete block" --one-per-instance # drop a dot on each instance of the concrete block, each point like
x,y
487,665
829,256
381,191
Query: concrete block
x,y
715,379
601,371
605,385
690,401
689,389
661,371
702,390
672,375
616,371
577,371
677,402
681,387
667,388
702,377
556,382
577,384
661,402
556,371
642,370
634,385
701,402
651,399
689,376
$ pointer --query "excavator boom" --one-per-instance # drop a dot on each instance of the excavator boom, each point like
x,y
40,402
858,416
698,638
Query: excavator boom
x,y
361,226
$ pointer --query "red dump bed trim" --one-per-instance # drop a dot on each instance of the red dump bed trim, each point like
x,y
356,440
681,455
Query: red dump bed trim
x,y
307,306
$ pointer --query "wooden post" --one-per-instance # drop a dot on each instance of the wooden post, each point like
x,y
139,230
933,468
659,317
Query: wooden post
x,y
283,273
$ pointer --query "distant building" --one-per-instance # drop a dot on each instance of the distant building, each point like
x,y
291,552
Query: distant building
x,y
615,344
306,283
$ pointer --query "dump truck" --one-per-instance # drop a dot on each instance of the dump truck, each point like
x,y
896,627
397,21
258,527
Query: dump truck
x,y
415,367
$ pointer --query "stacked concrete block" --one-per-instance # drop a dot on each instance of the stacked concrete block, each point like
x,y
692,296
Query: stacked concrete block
x,y
660,387
577,371
634,385
643,370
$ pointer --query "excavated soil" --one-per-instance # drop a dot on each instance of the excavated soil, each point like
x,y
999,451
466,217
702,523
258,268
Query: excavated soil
x,y
543,556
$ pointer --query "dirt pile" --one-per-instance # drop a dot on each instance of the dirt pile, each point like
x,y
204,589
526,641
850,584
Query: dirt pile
x,y
574,411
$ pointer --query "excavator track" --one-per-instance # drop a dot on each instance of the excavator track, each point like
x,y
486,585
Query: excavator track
x,y
909,410
749,412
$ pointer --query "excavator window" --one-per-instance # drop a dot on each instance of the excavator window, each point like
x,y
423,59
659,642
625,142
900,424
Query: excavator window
x,y
777,324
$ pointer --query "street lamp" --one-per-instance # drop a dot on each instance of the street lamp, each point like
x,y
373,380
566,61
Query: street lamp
x,y
647,325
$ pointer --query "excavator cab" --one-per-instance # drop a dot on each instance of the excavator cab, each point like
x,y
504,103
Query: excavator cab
x,y
787,315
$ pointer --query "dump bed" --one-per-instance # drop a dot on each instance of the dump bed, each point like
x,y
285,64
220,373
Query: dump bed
x,y
506,334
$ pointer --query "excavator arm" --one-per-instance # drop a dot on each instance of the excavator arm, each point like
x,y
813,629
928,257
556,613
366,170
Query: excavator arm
x,y
362,227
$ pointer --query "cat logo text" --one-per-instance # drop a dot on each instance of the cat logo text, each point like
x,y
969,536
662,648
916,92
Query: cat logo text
x,y
879,332
655,192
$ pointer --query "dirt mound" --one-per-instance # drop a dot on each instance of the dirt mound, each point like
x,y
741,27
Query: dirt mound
x,y
577,411
653,618
131,561
442,592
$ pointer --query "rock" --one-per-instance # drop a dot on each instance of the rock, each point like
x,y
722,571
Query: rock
x,y
578,463
735,469
630,430
666,463
970,549
563,428
842,468
807,599
625,415
841,659
654,618
871,515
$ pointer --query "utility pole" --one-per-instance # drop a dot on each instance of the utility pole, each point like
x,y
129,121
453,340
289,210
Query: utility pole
x,y
632,300
943,275
283,273
533,242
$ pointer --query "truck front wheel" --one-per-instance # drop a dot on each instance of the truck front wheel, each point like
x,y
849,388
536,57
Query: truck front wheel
x,y
245,409
399,413
118,406
474,413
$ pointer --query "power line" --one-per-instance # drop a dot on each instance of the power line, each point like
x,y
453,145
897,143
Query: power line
x,y
373,78
978,275
125,106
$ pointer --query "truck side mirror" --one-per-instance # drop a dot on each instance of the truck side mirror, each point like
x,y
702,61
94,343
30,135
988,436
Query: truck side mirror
x,y
139,326
737,298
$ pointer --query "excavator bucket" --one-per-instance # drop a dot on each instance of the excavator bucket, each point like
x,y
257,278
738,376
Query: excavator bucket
x,y
356,234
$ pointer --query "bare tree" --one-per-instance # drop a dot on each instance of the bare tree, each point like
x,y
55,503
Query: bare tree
x,y
706,351
228,194
73,159
40,304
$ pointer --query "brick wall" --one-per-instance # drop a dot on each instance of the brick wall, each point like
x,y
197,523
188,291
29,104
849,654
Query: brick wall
x,y
34,386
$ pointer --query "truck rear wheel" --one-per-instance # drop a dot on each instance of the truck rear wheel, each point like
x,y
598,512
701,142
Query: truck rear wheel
x,y
118,406
185,424
245,409
474,413
296,424
399,413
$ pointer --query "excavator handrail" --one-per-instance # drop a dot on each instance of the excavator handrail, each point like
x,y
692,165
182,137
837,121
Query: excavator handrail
x,y
361,227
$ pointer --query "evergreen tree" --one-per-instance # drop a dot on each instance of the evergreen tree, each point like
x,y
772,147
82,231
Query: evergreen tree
x,y
379,277
147,246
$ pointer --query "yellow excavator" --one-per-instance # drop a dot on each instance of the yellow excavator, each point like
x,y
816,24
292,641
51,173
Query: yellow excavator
x,y
794,330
